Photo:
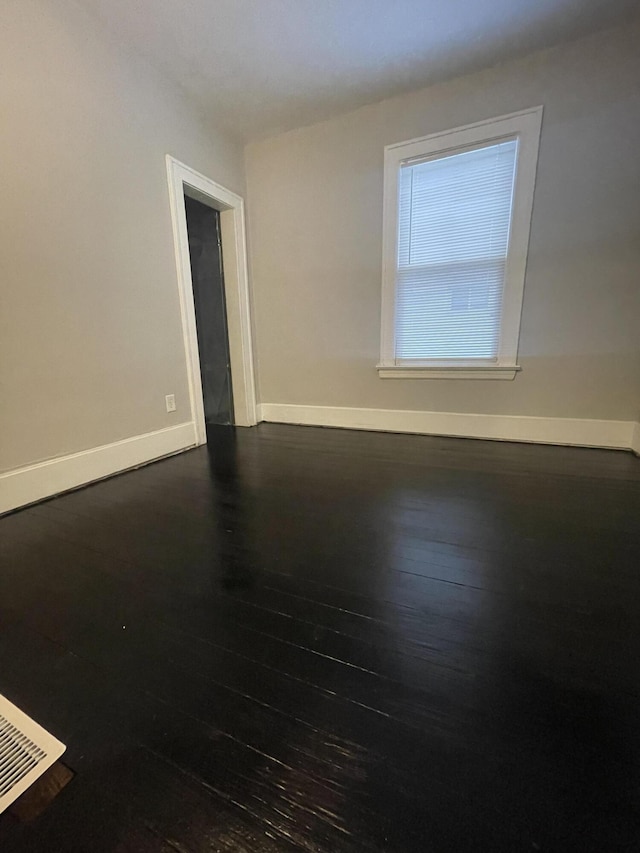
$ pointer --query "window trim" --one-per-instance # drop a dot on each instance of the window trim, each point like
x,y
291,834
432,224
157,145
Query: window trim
x,y
526,126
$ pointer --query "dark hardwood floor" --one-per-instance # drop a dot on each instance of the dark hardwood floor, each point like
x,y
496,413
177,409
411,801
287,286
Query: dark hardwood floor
x,y
321,640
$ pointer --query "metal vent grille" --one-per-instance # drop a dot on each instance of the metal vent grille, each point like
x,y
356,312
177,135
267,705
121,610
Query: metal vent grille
x,y
26,751
18,755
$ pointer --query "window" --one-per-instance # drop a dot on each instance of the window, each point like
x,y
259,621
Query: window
x,y
457,216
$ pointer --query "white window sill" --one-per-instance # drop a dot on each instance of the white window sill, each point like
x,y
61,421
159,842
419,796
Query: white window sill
x,y
492,371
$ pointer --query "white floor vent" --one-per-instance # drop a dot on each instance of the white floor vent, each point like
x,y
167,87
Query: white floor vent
x,y
26,751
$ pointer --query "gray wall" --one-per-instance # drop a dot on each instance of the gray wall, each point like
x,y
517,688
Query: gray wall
x,y
315,216
90,335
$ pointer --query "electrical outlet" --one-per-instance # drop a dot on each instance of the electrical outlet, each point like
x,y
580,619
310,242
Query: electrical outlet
x,y
170,401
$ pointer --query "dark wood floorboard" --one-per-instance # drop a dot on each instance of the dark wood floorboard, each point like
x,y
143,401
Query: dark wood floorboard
x,y
315,640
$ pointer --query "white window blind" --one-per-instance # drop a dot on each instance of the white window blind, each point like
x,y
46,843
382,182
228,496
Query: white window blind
x,y
454,216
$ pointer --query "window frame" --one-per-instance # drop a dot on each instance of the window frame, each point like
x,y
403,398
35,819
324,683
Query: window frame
x,y
525,126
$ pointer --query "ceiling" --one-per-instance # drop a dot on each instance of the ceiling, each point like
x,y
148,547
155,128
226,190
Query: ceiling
x,y
258,67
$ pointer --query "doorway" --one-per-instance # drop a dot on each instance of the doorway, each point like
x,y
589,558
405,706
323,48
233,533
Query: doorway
x,y
207,278
185,183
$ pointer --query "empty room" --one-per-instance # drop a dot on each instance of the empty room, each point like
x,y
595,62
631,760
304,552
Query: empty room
x,y
319,426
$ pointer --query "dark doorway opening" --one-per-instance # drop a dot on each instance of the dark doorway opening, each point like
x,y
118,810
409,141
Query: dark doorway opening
x,y
207,275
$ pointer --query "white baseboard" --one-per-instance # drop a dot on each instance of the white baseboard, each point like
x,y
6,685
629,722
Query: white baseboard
x,y
44,479
573,431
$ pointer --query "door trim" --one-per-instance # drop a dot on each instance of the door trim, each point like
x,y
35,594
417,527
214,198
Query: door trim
x,y
182,179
